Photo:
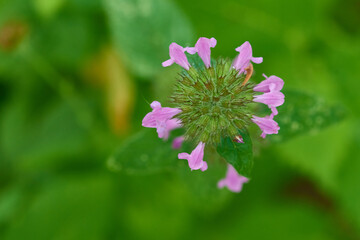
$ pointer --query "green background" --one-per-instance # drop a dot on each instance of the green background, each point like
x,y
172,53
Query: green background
x,y
76,78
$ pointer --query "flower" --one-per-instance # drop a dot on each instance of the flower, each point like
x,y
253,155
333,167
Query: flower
x,y
233,181
266,124
242,61
177,55
213,104
272,83
177,142
195,159
164,128
272,96
272,99
161,119
202,47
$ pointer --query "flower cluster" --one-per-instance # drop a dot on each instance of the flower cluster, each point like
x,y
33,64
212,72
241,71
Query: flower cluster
x,y
213,102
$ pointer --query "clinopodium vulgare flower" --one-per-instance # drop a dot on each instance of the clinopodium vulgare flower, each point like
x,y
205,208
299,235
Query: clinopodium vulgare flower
x,y
214,101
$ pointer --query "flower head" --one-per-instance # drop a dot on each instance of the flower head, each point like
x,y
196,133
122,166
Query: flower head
x,y
195,159
177,55
161,119
202,47
242,61
213,104
266,124
233,181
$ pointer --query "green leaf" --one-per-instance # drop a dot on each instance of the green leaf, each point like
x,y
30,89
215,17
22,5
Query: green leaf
x,y
48,8
303,113
348,177
143,29
202,186
239,155
73,207
70,53
143,152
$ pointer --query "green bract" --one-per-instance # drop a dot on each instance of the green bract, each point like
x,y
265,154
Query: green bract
x,y
214,102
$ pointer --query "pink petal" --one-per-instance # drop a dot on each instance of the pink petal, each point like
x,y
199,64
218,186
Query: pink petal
x,y
165,128
233,181
191,50
177,55
195,159
274,82
177,142
274,112
202,47
167,63
155,104
204,166
272,99
161,119
257,60
183,155
266,124
242,61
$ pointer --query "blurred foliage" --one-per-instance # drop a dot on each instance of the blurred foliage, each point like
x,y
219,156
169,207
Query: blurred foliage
x,y
77,77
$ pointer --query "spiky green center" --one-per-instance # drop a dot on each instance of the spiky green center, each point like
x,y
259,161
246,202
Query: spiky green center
x,y
213,101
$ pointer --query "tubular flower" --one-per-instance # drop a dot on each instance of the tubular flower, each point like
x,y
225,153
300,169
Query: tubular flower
x,y
266,124
202,47
242,61
272,83
161,119
212,102
177,55
233,181
195,159
272,96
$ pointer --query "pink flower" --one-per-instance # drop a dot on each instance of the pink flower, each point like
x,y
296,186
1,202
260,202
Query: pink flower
x,y
195,159
164,128
272,99
242,61
161,119
233,181
177,55
202,47
272,96
266,124
272,83
177,142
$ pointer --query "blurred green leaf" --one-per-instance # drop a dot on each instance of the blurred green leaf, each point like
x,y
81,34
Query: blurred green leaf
x,y
202,186
75,207
70,52
303,113
9,203
143,30
144,152
48,8
348,179
34,141
278,220
240,155
318,155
